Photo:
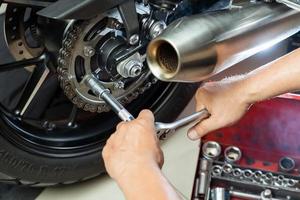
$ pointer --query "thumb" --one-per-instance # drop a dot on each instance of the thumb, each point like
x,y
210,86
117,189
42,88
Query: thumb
x,y
202,128
146,115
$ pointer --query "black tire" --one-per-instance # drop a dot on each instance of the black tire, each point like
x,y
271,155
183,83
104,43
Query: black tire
x,y
27,168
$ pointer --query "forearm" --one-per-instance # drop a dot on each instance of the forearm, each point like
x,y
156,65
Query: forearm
x,y
278,77
148,184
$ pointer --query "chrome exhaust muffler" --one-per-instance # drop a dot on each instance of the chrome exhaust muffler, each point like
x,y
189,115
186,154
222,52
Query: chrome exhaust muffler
x,y
195,48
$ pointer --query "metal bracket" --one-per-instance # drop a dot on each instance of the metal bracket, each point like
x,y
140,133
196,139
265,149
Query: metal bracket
x,y
294,4
130,20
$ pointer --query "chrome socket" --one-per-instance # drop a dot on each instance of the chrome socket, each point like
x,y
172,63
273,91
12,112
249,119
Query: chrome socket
x,y
227,169
217,170
286,164
232,154
267,179
237,172
248,175
291,183
211,150
264,179
258,176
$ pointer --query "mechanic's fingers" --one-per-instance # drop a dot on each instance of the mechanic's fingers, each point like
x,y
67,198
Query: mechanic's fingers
x,y
120,125
111,141
146,118
146,115
200,106
202,128
106,152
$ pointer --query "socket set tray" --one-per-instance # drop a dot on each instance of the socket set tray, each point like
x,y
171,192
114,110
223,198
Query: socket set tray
x,y
256,159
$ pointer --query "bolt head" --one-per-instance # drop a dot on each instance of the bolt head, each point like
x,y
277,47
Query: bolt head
x,y
89,51
135,71
119,85
157,28
134,39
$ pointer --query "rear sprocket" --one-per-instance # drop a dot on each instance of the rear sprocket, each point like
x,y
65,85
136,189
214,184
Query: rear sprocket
x,y
74,64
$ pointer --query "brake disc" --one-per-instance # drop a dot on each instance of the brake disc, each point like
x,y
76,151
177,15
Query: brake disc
x,y
21,32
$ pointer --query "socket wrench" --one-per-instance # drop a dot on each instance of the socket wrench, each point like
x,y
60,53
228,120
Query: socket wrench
x,y
95,85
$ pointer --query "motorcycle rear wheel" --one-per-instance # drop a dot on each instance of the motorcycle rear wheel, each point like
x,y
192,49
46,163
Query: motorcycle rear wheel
x,y
34,157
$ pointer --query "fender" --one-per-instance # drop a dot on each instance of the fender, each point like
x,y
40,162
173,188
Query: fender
x,y
78,9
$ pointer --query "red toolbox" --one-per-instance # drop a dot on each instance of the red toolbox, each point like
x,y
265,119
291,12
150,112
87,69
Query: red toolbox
x,y
267,135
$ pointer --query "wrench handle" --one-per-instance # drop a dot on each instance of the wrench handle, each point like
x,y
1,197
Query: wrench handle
x,y
195,118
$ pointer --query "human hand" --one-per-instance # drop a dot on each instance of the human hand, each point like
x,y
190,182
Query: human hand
x,y
225,100
133,147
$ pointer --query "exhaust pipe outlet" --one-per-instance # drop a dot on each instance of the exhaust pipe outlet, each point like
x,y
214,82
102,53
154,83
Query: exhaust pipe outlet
x,y
195,48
